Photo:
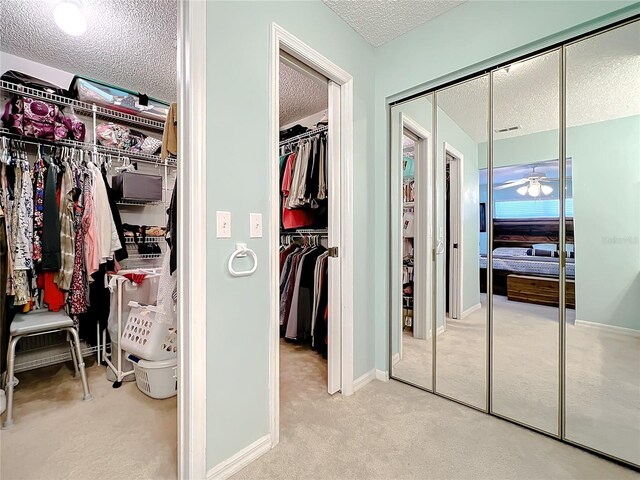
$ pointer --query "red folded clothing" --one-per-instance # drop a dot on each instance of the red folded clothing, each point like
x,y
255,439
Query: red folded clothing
x,y
136,278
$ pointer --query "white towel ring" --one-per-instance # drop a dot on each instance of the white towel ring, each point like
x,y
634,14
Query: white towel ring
x,y
242,251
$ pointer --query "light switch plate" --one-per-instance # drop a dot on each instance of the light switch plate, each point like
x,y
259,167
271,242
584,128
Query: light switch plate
x,y
255,225
223,224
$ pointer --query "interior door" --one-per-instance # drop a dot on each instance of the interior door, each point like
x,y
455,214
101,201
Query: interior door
x,y
453,221
334,345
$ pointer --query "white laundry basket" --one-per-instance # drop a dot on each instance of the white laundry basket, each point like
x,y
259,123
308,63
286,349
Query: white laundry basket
x,y
149,334
156,379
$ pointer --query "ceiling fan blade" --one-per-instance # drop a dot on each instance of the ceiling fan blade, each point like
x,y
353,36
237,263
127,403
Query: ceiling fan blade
x,y
522,181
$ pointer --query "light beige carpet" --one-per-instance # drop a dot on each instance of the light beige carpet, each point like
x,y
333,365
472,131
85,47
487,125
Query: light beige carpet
x,y
603,379
394,431
120,434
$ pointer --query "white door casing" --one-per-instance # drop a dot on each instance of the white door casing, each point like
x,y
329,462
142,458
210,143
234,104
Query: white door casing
x,y
192,229
340,166
456,240
423,240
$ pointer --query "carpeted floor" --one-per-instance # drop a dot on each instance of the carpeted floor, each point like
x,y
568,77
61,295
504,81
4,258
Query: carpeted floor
x,y
393,431
120,434
602,388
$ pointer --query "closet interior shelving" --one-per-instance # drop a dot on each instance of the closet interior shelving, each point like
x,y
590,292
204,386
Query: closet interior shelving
x,y
49,351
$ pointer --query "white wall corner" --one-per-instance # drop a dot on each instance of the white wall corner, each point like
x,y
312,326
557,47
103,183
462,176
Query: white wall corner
x,y
237,462
470,310
382,375
364,379
608,328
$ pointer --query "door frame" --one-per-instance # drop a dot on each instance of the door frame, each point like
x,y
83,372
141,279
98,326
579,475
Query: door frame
x,y
423,239
456,272
192,237
341,278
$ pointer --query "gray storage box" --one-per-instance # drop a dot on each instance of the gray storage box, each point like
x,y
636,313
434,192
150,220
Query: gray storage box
x,y
137,186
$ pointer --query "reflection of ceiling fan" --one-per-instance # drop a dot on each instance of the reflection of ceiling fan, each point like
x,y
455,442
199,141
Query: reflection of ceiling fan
x,y
533,184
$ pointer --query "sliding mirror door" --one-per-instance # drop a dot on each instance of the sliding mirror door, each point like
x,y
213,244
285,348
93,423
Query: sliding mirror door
x,y
411,271
526,267
602,382
461,345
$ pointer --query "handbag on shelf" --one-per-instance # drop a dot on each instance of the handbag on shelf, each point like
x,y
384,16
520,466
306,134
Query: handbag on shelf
x,y
34,118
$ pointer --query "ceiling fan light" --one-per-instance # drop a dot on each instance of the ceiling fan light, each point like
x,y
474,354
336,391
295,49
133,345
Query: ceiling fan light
x,y
534,190
70,18
523,190
546,189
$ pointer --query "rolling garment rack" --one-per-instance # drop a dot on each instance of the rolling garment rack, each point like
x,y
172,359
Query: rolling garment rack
x,y
116,368
94,112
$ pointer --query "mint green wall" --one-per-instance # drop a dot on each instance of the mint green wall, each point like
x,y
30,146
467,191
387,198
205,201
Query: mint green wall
x,y
606,201
433,53
238,172
452,134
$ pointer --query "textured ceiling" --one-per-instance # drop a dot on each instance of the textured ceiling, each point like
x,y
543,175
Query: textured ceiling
x,y
300,95
127,43
380,21
603,81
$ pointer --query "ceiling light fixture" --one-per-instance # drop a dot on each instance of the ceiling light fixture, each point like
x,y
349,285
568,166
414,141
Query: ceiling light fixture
x,y
546,189
534,190
523,190
70,18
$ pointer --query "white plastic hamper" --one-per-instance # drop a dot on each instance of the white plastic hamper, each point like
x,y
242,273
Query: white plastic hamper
x,y
147,335
156,379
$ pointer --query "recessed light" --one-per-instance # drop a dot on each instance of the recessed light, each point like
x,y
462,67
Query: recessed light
x,y
69,16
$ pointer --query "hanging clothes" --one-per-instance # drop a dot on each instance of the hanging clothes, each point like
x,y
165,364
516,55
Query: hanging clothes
x,y
51,221
108,241
303,294
39,175
67,234
303,182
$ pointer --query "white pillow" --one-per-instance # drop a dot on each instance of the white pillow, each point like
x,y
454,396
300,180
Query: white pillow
x,y
551,247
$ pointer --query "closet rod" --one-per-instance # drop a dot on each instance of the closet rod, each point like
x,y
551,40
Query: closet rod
x,y
138,157
304,135
322,232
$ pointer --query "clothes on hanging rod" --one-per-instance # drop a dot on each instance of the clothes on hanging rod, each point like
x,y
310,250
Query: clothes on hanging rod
x,y
62,230
304,185
304,293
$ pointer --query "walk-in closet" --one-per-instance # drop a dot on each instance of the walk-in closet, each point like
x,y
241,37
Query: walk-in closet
x,y
304,214
88,240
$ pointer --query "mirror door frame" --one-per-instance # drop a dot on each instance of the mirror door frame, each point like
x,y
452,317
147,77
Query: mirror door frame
x,y
490,67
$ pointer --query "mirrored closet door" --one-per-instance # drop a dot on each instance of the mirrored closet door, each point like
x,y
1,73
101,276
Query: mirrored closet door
x,y
461,149
525,241
525,275
411,239
602,382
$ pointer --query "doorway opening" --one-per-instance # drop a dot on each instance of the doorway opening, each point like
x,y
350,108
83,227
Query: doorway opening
x,y
453,231
312,296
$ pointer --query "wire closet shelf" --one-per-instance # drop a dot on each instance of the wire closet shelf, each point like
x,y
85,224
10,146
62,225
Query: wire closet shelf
x,y
308,134
84,107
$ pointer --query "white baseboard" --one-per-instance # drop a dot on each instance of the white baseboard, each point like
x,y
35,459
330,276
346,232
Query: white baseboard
x,y
441,329
609,328
383,376
470,310
240,460
360,382
395,359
